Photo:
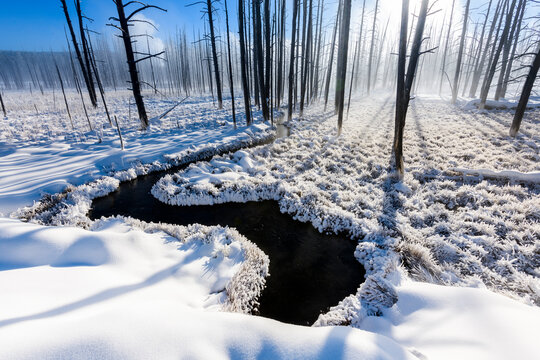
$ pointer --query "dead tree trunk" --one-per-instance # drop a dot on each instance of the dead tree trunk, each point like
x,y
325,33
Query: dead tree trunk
x,y
524,98
98,79
267,43
279,74
480,66
84,70
63,93
352,72
506,51
342,60
445,52
404,83
291,62
402,98
460,52
244,61
231,84
306,60
214,53
4,108
124,22
319,42
257,39
491,71
512,55
86,52
371,48
331,59
480,44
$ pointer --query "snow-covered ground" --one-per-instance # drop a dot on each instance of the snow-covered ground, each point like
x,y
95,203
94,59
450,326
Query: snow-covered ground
x,y
40,153
127,289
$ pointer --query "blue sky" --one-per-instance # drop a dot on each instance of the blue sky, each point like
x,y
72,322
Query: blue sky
x,y
39,24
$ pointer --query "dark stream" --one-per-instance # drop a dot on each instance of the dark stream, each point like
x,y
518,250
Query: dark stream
x,y
309,271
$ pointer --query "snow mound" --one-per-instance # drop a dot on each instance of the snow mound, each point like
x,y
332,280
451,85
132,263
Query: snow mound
x,y
446,322
154,297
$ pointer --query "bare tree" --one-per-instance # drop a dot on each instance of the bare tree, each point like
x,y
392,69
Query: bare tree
x,y
231,84
258,42
86,53
525,93
3,107
291,63
404,82
63,93
506,50
214,52
84,69
244,61
445,52
125,22
480,64
460,52
342,61
497,52
371,48
512,55
279,74
306,49
331,59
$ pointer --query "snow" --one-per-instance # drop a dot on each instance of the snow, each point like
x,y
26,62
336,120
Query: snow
x,y
40,154
442,322
465,216
502,104
533,177
122,291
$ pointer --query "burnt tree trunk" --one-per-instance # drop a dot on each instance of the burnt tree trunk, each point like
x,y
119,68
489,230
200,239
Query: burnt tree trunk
x,y
371,48
460,52
78,53
445,52
331,59
480,66
291,62
343,50
4,108
214,53
86,52
244,62
132,65
497,52
258,42
404,85
279,74
402,98
307,59
231,84
512,55
63,93
524,98
506,52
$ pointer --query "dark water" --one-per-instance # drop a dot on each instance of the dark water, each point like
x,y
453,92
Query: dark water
x,y
309,271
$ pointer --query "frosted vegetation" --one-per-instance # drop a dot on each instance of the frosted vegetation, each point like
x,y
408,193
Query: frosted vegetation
x,y
444,226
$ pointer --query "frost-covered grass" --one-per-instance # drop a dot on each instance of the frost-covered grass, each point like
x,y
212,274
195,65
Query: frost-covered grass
x,y
446,227
39,153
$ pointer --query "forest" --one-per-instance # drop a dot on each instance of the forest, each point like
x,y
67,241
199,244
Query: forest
x,y
270,179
